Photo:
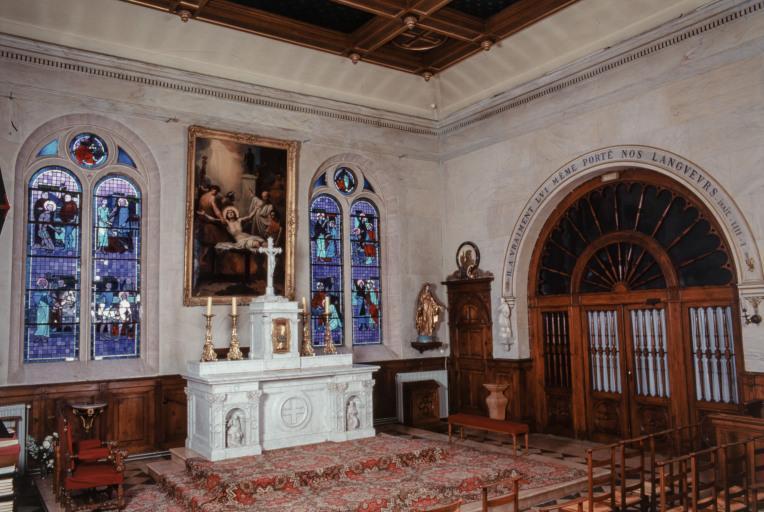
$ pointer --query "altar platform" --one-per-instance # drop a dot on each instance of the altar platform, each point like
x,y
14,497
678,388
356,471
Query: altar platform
x,y
409,470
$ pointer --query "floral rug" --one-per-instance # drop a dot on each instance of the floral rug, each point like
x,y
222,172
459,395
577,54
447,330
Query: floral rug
x,y
384,473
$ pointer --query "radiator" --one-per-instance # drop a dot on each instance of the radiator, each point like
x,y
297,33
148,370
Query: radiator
x,y
439,376
19,410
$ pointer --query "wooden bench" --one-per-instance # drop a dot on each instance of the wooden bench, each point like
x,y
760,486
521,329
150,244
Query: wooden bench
x,y
482,423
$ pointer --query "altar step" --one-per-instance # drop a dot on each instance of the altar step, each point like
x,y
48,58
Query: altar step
x,y
176,463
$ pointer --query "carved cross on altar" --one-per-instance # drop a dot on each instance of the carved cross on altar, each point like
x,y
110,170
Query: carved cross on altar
x,y
271,252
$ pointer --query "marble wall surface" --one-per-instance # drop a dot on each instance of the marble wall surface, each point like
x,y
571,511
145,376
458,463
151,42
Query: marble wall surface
x,y
402,165
700,98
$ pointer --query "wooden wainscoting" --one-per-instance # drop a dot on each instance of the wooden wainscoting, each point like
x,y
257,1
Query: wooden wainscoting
x,y
143,415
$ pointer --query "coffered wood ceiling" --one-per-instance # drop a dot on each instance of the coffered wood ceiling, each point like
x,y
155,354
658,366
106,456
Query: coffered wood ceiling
x,y
415,36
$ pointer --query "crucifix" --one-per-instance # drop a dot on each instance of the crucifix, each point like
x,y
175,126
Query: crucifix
x,y
271,252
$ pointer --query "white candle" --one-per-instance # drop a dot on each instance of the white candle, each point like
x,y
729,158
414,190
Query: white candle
x,y
209,306
304,305
326,304
233,306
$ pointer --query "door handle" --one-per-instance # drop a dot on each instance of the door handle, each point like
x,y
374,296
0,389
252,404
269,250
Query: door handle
x,y
628,372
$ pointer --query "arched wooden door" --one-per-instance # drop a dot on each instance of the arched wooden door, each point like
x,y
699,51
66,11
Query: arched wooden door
x,y
632,293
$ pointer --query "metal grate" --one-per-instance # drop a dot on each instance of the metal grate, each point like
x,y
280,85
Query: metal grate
x,y
556,349
713,354
648,332
604,351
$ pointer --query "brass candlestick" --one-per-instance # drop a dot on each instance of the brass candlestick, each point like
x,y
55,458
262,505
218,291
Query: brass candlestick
x,y
329,347
307,344
208,352
234,352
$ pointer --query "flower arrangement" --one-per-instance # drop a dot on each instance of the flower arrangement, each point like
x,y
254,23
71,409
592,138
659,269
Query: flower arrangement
x,y
43,453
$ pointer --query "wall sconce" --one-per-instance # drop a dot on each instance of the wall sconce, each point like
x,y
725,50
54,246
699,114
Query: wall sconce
x,y
755,318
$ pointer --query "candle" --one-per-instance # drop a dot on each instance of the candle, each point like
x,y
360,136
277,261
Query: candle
x,y
233,306
326,305
209,306
304,305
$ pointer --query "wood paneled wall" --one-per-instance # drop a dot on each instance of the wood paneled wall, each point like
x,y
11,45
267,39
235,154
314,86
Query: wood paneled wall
x,y
149,414
143,415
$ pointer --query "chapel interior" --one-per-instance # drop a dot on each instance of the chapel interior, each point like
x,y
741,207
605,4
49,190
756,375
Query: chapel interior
x,y
381,255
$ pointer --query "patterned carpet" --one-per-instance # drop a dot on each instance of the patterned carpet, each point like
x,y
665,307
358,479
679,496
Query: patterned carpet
x,y
384,473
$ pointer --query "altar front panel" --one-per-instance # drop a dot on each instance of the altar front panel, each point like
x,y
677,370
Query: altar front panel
x,y
234,415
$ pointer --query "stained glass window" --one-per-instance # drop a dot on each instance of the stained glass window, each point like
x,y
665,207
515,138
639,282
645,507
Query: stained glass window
x,y
88,150
52,298
124,158
116,299
326,268
365,273
344,180
49,149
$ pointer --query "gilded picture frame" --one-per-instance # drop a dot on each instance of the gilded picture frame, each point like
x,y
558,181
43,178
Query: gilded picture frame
x,y
240,189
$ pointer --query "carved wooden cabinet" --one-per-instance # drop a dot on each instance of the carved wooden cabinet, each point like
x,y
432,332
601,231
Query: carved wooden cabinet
x,y
469,327
421,405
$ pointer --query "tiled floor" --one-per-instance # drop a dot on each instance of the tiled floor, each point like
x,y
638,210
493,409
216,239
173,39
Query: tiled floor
x,y
37,495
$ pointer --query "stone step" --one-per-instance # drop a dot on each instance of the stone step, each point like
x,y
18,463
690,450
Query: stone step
x,y
163,467
180,455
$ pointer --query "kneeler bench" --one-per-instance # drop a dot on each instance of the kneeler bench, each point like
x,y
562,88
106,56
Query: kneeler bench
x,y
482,423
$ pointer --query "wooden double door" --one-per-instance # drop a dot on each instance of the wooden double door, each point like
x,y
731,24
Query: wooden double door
x,y
627,369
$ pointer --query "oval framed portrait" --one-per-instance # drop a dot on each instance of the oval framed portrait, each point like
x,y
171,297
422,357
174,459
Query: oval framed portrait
x,y
467,258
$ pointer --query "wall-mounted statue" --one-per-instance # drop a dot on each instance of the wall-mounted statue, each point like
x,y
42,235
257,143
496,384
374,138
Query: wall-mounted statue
x,y
428,315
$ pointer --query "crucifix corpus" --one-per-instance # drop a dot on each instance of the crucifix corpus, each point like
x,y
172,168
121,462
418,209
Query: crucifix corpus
x,y
271,252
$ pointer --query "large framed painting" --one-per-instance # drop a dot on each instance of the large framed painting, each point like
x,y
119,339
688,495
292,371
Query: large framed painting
x,y
240,192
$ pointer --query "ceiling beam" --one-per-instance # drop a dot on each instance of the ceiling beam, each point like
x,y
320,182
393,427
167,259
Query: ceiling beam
x,y
454,24
381,31
523,14
385,8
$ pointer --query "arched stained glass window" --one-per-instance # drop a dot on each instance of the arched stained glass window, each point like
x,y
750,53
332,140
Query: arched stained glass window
x,y
365,272
52,299
346,264
326,268
115,304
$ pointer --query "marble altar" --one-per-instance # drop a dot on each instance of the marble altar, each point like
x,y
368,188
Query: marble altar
x,y
276,398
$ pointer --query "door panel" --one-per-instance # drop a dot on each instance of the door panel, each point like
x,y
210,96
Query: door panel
x,y
648,370
608,404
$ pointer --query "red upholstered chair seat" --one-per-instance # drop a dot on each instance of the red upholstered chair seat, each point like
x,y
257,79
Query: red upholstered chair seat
x,y
88,444
87,476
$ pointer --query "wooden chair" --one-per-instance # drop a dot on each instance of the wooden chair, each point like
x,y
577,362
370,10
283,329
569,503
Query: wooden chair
x,y
734,476
595,500
630,489
685,483
755,465
77,475
513,497
451,507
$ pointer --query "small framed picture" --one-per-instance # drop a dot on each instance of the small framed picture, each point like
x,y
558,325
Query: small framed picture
x,y
468,259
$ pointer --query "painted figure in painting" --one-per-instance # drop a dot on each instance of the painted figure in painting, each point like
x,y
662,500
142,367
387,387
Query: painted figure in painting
x,y
69,214
233,223
260,209
104,223
427,314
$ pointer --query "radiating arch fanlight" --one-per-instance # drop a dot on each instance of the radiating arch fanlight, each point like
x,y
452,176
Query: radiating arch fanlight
x,y
632,234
